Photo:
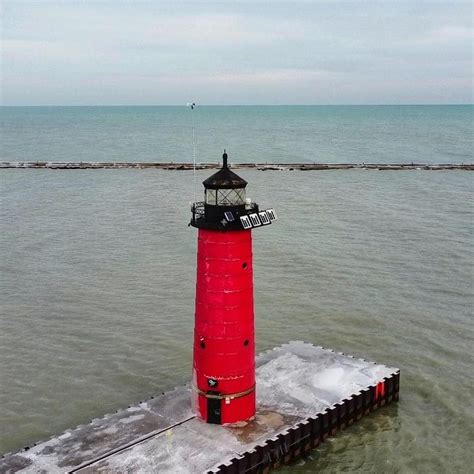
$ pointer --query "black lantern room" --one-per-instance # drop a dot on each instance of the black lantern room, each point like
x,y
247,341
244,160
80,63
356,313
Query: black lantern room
x,y
224,201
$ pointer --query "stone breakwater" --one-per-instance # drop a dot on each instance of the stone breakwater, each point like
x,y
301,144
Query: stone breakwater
x,y
259,166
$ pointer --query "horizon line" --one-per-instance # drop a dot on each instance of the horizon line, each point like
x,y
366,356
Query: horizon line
x,y
246,105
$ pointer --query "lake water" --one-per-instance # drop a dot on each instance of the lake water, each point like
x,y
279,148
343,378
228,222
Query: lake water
x,y
331,134
97,287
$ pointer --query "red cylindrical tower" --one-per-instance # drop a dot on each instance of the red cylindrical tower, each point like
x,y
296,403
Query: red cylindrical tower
x,y
224,337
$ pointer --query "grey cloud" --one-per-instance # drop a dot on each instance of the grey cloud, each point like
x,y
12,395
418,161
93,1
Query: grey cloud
x,y
298,52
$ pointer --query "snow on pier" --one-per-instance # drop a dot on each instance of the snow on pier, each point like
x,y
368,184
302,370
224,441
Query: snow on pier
x,y
304,394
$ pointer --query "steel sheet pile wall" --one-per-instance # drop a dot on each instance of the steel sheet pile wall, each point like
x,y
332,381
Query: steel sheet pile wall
x,y
162,434
298,441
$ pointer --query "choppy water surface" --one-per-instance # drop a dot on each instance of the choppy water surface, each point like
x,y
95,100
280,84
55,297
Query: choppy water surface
x,y
276,134
97,287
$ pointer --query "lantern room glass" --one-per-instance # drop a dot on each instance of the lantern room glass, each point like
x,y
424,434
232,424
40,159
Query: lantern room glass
x,y
225,197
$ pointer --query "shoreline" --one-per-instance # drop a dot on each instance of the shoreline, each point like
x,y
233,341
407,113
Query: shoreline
x,y
68,165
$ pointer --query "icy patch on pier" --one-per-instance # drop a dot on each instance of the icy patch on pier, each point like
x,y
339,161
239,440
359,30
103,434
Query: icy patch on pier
x,y
294,382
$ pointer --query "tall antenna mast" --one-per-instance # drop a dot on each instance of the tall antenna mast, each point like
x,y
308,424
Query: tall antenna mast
x,y
192,105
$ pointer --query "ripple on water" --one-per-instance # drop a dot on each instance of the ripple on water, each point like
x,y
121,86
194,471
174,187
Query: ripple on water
x,y
97,299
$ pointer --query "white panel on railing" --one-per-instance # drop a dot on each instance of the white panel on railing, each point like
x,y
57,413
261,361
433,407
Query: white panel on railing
x,y
264,218
246,222
271,214
255,220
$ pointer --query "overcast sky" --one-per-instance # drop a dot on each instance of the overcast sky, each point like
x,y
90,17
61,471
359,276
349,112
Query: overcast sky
x,y
248,52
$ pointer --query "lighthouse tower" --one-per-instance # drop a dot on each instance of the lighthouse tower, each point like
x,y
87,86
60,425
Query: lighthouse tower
x,y
224,336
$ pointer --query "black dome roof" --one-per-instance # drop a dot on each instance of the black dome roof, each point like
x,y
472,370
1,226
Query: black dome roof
x,y
224,178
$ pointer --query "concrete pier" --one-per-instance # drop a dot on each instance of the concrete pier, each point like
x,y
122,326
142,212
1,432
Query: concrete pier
x,y
304,393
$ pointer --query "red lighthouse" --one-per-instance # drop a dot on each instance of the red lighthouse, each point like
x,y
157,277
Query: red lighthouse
x,y
224,337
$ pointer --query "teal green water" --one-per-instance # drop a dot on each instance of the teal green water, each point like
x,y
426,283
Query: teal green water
x,y
97,287
285,134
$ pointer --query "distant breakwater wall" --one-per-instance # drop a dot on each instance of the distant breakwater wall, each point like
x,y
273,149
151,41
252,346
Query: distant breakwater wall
x,y
259,166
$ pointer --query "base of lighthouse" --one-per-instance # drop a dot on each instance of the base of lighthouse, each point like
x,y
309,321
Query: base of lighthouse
x,y
305,394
